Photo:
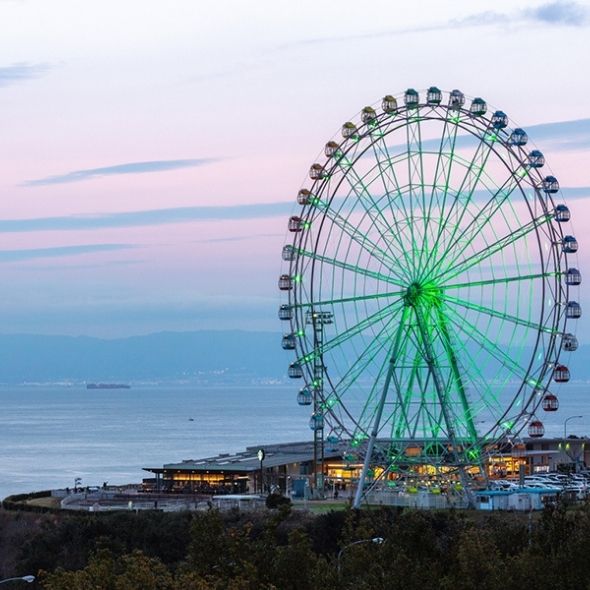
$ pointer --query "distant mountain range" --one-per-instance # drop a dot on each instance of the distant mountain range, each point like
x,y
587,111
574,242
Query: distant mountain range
x,y
203,355
208,356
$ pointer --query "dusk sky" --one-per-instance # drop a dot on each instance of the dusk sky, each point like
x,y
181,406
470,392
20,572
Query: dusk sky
x,y
151,152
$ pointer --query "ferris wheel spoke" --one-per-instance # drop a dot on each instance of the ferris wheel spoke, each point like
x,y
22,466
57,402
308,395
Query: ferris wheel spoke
x,y
497,314
383,175
468,185
480,338
415,177
435,419
351,299
382,226
425,421
350,267
363,360
468,238
361,239
454,270
474,334
442,176
424,416
398,197
486,214
355,329
500,280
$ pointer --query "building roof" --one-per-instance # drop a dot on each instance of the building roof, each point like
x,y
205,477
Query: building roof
x,y
247,461
278,455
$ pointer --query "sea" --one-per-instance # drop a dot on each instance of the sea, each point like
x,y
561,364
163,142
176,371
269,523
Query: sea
x,y
52,435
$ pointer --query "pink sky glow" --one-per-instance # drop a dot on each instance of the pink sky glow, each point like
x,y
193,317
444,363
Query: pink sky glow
x,y
252,94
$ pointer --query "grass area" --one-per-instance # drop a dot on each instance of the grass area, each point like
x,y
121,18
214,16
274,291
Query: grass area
x,y
320,506
46,502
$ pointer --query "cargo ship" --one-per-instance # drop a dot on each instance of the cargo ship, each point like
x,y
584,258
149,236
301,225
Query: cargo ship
x,y
108,386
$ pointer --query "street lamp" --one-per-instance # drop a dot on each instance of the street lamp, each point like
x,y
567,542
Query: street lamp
x,y
377,540
565,425
27,579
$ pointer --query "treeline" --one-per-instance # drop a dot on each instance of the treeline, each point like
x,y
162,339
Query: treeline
x,y
290,550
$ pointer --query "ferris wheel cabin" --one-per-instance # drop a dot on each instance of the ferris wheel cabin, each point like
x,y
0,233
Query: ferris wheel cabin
x,y
288,342
550,185
561,374
561,214
285,283
499,120
536,159
411,98
295,224
536,429
569,342
518,137
550,403
316,422
288,253
569,245
433,96
331,149
349,130
573,277
304,397
317,172
478,107
368,114
389,104
295,371
456,99
304,197
285,312
573,311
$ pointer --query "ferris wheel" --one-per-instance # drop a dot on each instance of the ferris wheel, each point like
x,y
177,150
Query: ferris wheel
x,y
430,285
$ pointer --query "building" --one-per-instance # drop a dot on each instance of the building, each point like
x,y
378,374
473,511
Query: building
x,y
523,499
285,467
538,455
288,467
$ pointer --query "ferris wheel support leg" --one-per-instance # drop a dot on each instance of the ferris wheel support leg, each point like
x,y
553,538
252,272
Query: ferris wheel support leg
x,y
444,331
375,430
442,398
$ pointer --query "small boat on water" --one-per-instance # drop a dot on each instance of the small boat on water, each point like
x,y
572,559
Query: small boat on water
x,y
107,386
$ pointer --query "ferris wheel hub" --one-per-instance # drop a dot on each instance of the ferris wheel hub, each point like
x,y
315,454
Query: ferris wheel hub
x,y
420,294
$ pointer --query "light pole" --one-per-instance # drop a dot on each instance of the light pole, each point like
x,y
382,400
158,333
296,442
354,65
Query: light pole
x,y
27,579
377,540
565,444
565,425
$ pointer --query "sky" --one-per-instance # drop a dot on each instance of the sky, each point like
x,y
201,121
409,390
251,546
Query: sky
x,y
151,152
